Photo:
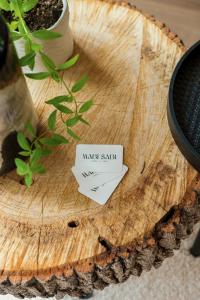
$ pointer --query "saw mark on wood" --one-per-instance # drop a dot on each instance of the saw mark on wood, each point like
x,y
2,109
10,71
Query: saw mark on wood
x,y
143,168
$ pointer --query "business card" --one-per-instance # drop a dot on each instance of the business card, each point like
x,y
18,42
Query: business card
x,y
102,193
99,158
89,179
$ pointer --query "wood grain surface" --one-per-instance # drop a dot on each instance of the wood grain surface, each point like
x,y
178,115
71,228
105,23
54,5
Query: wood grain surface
x,y
55,241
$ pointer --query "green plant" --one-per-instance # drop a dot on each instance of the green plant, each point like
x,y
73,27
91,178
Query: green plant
x,y
43,144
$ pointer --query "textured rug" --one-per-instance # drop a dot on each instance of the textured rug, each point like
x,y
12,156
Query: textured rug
x,y
178,278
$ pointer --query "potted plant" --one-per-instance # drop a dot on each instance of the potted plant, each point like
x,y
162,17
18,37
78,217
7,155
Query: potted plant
x,y
42,144
52,15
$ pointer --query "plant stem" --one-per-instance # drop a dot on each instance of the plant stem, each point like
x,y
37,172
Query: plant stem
x,y
38,138
61,115
71,94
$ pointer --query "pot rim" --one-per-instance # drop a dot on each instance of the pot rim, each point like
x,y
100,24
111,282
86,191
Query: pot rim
x,y
65,9
4,36
189,152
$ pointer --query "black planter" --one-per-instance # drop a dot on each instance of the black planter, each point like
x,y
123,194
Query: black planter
x,y
3,42
184,112
184,106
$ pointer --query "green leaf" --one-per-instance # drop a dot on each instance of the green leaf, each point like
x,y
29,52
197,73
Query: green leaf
x,y
31,130
38,76
73,134
72,122
46,152
29,179
47,61
44,34
38,169
36,47
4,5
23,142
52,120
22,167
63,109
54,141
27,45
27,59
84,121
60,139
16,6
79,84
55,76
69,99
23,30
86,106
36,155
16,35
59,99
13,25
47,141
70,63
29,4
24,153
28,50
37,144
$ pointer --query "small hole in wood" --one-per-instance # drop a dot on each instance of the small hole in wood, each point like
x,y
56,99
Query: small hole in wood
x,y
73,224
22,181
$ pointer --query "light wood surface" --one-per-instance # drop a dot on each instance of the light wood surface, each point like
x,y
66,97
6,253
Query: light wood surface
x,y
51,229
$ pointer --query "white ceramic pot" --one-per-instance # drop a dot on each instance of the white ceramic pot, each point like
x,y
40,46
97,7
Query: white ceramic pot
x,y
59,50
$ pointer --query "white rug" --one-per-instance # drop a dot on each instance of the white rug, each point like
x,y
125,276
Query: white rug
x,y
177,279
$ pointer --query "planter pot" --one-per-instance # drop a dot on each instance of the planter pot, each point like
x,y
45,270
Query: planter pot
x,y
16,108
59,50
184,105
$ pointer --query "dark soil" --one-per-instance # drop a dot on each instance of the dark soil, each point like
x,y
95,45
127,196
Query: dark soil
x,y
44,15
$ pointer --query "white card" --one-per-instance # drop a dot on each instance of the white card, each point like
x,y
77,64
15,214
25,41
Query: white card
x,y
102,194
99,158
89,179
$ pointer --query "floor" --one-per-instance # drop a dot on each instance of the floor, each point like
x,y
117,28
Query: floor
x,y
182,16
179,277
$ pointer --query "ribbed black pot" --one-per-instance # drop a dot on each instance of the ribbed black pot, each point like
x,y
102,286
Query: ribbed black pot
x,y
184,105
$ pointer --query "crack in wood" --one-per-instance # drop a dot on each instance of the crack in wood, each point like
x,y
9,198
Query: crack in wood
x,y
143,168
105,243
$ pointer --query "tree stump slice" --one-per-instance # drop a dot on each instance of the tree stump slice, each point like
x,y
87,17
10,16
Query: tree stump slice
x,y
55,241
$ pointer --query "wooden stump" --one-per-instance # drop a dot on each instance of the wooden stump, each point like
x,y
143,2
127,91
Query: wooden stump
x,y
54,241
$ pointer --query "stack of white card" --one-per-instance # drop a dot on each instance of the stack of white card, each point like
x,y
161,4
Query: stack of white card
x,y
98,170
